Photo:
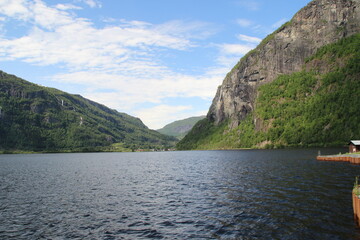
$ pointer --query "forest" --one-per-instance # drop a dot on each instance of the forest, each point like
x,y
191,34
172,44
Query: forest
x,y
318,106
36,118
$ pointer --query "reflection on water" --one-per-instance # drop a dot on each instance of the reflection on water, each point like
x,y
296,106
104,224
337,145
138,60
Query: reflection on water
x,y
249,194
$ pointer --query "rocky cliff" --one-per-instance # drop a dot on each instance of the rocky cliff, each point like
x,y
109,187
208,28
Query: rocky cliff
x,y
299,87
319,23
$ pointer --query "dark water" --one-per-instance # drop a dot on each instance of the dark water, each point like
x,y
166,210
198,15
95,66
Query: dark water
x,y
251,194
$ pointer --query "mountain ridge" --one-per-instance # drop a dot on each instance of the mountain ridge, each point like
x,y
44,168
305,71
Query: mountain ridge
x,y
34,117
180,128
284,52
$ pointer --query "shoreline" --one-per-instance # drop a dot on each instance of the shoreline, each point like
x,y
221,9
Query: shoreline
x,y
99,150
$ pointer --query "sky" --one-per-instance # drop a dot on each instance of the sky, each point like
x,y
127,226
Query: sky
x,y
159,60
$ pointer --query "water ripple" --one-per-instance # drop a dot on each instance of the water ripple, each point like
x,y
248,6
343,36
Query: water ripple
x,y
281,194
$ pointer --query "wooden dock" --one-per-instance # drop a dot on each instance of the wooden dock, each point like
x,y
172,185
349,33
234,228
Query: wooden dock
x,y
356,201
353,158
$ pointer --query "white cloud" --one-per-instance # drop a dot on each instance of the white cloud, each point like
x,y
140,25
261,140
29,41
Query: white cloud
x,y
249,4
126,93
244,22
135,89
120,56
58,37
231,53
160,115
193,30
248,38
15,8
67,7
228,60
278,23
236,49
91,3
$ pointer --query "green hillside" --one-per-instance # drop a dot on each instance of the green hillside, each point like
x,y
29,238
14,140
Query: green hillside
x,y
318,106
37,118
180,128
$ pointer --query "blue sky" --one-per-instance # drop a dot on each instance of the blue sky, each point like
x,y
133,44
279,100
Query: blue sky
x,y
159,60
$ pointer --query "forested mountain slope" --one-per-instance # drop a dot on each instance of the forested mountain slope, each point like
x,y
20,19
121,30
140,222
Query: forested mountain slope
x,y
38,118
180,128
299,87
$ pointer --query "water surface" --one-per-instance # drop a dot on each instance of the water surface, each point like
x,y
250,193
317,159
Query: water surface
x,y
248,194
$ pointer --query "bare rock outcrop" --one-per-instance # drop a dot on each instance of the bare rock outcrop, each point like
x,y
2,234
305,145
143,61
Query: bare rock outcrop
x,y
319,23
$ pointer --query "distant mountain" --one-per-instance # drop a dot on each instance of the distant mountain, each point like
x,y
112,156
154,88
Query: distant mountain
x,y
180,128
299,87
33,117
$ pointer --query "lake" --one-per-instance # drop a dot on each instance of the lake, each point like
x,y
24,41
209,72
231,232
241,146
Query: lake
x,y
245,194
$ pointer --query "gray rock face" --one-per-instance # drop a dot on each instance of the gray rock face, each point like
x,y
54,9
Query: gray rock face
x,y
319,23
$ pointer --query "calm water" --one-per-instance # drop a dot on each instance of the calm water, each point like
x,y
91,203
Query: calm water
x,y
250,194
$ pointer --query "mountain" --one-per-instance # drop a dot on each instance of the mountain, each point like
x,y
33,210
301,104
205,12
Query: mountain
x,y
298,87
33,117
180,128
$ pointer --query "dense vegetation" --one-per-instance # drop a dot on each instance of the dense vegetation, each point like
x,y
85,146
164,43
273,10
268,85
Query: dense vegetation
x,y
37,118
319,106
180,128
